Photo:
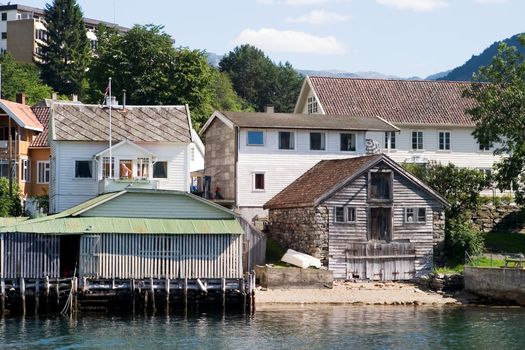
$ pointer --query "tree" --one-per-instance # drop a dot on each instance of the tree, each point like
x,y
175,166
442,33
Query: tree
x,y
10,205
287,87
498,94
66,54
20,77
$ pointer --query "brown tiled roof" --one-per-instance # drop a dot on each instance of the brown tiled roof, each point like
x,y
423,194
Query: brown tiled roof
x,y
397,101
322,177
79,122
307,121
42,114
26,117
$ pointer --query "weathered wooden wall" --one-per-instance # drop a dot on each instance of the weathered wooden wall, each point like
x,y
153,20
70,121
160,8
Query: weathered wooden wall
x,y
126,256
29,256
254,249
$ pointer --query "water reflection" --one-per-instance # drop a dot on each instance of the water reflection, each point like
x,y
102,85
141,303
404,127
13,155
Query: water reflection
x,y
327,327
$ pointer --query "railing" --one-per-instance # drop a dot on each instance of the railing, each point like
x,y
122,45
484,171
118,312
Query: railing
x,y
112,185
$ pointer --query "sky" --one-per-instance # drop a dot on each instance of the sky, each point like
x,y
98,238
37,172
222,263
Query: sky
x,y
404,38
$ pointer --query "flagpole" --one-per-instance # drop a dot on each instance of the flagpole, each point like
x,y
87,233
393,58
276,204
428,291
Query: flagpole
x,y
110,135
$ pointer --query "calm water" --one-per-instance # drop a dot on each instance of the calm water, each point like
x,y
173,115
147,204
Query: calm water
x,y
295,328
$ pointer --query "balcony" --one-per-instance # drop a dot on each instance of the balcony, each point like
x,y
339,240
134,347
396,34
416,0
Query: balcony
x,y
112,185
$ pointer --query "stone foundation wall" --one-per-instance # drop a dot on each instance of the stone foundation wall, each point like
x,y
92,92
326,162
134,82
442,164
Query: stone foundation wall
x,y
503,218
301,229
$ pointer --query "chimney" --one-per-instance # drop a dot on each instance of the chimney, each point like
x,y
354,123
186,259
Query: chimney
x,y
54,96
269,109
74,97
123,99
113,102
21,98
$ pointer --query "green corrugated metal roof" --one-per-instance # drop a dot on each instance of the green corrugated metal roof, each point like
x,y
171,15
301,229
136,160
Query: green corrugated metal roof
x,y
8,221
90,225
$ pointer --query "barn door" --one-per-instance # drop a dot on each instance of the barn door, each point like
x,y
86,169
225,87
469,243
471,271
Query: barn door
x,y
89,256
380,224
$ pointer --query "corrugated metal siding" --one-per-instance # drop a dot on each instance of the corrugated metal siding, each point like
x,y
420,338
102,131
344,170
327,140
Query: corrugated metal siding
x,y
149,205
160,256
254,249
30,256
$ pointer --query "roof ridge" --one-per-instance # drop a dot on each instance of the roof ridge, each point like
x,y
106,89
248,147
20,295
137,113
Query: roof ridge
x,y
393,79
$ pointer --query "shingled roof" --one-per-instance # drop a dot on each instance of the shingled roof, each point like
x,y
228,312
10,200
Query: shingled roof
x,y
301,121
41,140
21,114
397,101
328,175
80,122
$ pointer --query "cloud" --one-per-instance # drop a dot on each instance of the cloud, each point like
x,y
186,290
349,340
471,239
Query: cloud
x,y
491,1
273,40
297,2
319,17
414,5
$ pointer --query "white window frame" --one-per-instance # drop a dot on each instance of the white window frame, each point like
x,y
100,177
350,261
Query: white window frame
x,y
167,169
292,138
111,162
323,138
254,174
445,133
392,135
25,170
255,144
312,107
354,138
415,214
43,167
483,149
417,140
93,177
346,219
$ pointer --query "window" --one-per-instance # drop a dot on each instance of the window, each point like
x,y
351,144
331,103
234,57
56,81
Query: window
x,y
255,138
415,215
380,186
24,170
286,140
126,169
4,35
317,141
4,169
143,168
312,105
392,135
444,140
348,142
484,148
108,167
83,169
417,140
344,214
4,16
160,170
42,172
258,182
40,34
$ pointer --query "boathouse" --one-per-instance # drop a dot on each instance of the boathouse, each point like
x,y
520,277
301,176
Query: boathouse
x,y
130,234
365,217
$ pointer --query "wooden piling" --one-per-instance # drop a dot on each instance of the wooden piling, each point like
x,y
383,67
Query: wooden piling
x,y
57,290
23,294
223,293
167,287
37,295
2,291
152,291
185,293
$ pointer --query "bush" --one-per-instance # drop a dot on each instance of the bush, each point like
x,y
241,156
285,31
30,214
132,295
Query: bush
x,y
460,237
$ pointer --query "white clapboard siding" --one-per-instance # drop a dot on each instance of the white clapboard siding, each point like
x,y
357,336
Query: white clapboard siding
x,y
68,191
30,256
160,256
151,205
345,237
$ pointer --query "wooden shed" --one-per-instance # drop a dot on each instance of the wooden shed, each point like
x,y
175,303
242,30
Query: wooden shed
x,y
130,234
365,217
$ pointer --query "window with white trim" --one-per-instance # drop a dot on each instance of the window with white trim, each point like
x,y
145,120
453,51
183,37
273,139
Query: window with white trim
x,y
312,105
25,173
83,169
255,138
108,167
417,140
43,172
347,142
444,140
143,168
286,140
415,215
344,214
160,170
392,135
259,182
317,141
483,148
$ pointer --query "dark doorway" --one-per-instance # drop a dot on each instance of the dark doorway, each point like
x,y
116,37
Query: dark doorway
x,y
380,224
69,249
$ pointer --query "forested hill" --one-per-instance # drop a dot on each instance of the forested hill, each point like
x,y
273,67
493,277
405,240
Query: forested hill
x,y
465,72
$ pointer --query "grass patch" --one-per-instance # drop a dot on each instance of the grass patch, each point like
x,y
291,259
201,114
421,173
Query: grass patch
x,y
274,252
482,261
505,242
449,270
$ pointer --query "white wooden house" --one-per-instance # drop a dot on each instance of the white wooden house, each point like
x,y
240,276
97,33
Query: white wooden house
x,y
430,115
151,149
250,157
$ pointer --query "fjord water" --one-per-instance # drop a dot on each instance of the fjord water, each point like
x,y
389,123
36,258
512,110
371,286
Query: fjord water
x,y
323,327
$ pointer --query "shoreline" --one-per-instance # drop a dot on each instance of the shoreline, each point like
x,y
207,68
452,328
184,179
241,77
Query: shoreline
x,y
358,293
